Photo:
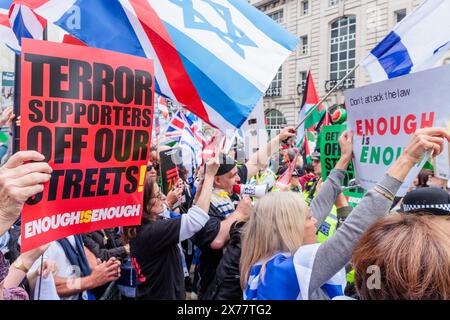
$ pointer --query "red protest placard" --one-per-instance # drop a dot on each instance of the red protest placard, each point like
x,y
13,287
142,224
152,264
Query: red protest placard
x,y
89,112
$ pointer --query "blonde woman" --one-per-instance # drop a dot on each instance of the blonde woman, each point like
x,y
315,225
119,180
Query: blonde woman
x,y
280,257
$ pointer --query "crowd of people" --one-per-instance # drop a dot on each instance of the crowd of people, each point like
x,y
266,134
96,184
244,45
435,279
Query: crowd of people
x,y
202,240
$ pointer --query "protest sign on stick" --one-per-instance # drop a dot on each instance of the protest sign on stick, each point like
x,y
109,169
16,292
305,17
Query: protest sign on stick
x,y
169,169
385,115
330,153
89,112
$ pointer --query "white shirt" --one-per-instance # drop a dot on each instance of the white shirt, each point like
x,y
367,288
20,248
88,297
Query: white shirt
x,y
65,270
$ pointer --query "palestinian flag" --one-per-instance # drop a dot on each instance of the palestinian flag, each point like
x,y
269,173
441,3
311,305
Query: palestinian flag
x,y
324,121
310,99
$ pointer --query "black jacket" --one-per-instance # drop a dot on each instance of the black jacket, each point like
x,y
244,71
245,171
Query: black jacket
x,y
105,244
226,284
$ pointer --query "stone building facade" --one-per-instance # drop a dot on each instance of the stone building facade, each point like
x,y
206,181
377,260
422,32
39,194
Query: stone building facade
x,y
335,35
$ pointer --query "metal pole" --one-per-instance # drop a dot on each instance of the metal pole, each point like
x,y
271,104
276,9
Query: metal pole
x,y
326,97
17,89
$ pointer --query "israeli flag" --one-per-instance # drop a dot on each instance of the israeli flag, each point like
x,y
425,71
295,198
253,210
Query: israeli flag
x,y
416,43
288,277
216,57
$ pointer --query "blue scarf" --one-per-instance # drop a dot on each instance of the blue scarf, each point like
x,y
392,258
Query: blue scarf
x,y
287,277
76,256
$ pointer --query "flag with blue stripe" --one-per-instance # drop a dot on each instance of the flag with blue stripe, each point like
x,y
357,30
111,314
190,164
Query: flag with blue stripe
x,y
287,277
216,57
416,43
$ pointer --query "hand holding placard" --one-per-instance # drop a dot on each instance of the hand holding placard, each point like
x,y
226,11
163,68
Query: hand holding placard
x,y
423,141
19,180
89,112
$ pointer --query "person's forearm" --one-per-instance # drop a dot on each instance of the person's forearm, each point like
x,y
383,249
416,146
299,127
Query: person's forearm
x,y
14,278
6,223
223,236
400,169
262,156
325,198
192,222
66,287
204,198
336,252
343,162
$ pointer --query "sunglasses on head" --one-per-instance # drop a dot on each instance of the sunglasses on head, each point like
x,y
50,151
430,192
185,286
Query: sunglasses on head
x,y
151,166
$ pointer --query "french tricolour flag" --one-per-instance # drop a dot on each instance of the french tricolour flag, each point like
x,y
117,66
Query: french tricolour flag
x,y
216,57
7,36
24,22
416,43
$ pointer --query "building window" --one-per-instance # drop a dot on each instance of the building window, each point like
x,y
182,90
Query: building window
x,y
305,7
304,45
332,3
275,121
302,82
275,87
276,16
342,48
399,15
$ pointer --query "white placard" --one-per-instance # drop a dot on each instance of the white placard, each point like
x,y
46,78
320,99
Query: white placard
x,y
385,115
253,132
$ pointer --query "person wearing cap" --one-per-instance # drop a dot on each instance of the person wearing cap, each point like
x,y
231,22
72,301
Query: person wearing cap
x,y
295,180
432,200
215,235
313,185
316,163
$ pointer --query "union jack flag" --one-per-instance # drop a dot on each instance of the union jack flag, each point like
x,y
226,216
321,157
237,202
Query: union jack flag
x,y
24,21
7,36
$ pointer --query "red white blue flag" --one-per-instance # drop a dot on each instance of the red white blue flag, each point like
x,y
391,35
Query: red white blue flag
x,y
7,36
24,21
216,57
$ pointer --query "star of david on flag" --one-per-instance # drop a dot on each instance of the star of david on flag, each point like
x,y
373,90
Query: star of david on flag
x,y
216,57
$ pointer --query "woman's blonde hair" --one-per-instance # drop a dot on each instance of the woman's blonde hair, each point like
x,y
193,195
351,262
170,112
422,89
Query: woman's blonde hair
x,y
412,253
277,225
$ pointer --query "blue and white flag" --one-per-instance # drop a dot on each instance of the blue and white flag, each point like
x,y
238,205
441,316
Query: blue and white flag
x,y
416,43
216,57
288,277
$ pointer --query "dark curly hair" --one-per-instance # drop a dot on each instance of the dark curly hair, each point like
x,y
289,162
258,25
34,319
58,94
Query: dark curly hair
x,y
149,190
